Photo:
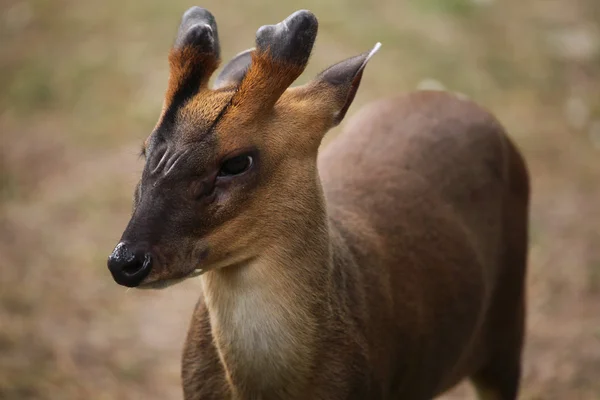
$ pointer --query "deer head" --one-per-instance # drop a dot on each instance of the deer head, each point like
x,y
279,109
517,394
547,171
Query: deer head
x,y
231,169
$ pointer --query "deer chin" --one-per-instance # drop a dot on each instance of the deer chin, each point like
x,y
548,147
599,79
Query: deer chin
x,y
164,283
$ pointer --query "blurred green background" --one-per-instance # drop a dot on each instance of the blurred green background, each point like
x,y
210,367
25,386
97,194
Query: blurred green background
x,y
81,86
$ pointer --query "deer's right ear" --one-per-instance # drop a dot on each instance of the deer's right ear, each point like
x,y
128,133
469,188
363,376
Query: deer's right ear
x,y
234,71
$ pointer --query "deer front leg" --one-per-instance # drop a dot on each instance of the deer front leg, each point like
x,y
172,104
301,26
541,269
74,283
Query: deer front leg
x,y
202,373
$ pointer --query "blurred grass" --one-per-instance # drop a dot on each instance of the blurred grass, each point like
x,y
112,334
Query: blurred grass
x,y
82,85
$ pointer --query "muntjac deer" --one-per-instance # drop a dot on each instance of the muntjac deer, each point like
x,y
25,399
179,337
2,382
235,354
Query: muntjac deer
x,y
391,266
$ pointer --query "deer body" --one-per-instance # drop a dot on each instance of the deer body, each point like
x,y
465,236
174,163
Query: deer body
x,y
413,278
390,268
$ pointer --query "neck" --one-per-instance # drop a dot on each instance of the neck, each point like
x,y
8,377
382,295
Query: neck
x,y
266,314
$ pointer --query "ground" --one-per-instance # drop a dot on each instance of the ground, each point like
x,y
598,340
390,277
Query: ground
x,y
81,87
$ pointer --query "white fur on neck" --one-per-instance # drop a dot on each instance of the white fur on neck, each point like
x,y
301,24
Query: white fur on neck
x,y
260,318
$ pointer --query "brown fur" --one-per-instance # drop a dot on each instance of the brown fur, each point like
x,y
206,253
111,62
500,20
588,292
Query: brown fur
x,y
392,266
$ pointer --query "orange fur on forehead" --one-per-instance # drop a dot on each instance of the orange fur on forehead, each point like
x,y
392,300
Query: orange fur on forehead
x,y
198,114
263,84
203,110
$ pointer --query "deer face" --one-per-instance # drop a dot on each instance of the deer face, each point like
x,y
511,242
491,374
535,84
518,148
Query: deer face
x,y
227,166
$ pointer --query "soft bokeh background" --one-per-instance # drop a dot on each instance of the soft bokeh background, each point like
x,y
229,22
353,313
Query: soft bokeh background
x,y
81,85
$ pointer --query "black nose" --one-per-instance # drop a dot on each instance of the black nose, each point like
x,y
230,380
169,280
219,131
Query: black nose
x,y
129,266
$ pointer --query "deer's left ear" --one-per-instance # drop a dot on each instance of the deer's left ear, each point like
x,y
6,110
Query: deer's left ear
x,y
234,71
345,78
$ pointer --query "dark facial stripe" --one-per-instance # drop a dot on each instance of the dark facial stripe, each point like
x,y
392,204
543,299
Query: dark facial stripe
x,y
190,70
186,90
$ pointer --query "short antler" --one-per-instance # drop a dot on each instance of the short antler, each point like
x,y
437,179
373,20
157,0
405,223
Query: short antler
x,y
281,54
194,57
291,40
198,30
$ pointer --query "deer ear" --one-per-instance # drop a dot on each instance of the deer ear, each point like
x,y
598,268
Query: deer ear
x,y
345,78
235,70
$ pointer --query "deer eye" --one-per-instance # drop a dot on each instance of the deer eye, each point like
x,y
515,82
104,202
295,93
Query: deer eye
x,y
236,165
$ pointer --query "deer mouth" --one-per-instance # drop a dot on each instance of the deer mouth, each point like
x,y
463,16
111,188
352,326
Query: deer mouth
x,y
164,283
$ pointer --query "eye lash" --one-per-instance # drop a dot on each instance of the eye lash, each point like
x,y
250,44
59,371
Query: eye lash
x,y
142,153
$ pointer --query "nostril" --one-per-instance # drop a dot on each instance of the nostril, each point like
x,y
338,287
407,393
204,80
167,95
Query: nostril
x,y
132,267
137,263
127,267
